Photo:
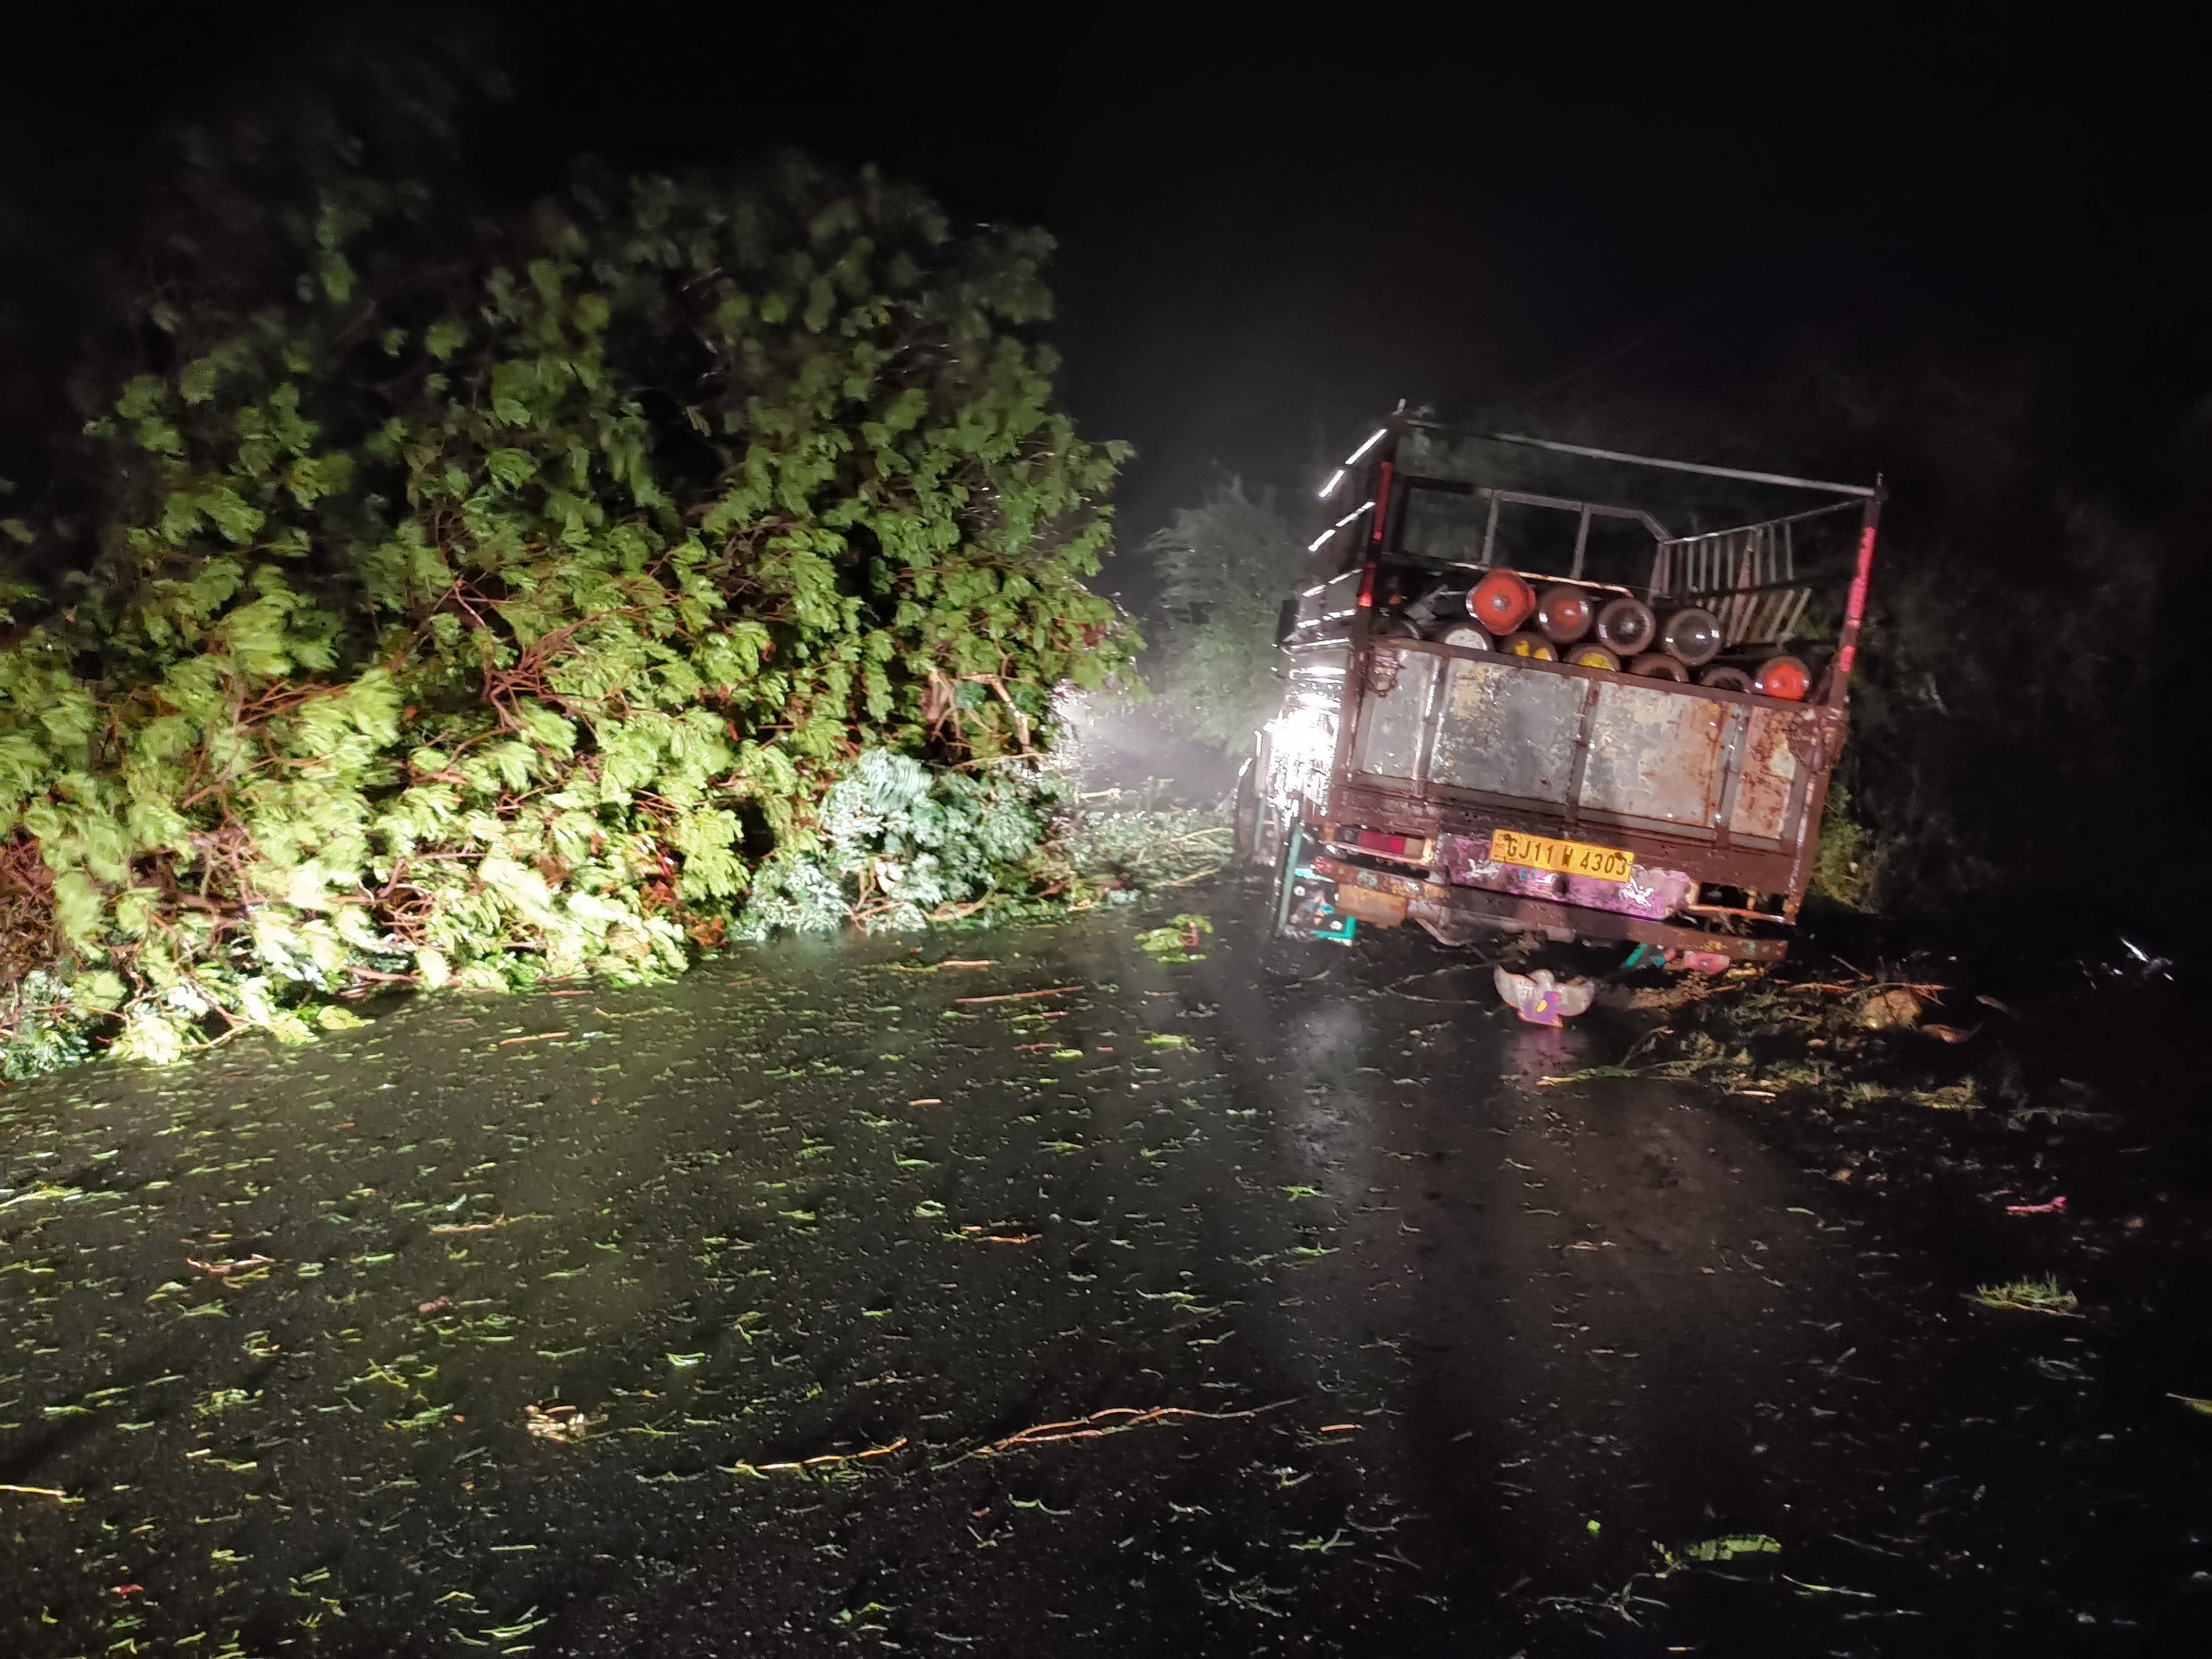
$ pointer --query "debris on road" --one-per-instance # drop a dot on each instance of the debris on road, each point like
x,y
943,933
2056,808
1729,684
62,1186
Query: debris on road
x,y
1018,996
1542,1000
1115,1419
563,1423
1895,1006
1721,1549
825,1461
1178,941
2041,1295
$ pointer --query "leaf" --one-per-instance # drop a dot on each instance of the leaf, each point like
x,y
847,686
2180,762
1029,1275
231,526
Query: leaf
x,y
512,467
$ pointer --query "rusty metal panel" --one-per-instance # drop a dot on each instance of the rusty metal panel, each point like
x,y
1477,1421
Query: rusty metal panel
x,y
1392,717
1507,730
1762,791
1654,755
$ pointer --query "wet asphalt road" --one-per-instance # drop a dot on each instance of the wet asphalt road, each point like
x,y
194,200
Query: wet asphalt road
x,y
1175,1309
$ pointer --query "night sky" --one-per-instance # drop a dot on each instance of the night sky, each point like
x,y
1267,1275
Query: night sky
x,y
1641,231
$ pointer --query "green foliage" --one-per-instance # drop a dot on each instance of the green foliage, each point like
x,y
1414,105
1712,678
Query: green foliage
x,y
45,1028
1844,863
545,601
1725,1548
898,845
1228,564
2043,1295
1127,841
2029,640
1179,941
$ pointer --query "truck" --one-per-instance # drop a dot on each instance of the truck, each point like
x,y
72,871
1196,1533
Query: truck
x,y
1433,762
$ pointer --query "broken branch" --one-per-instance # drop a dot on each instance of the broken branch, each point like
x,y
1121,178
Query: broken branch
x,y
1021,996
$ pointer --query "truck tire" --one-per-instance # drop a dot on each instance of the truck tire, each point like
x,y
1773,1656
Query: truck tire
x,y
1285,958
1244,819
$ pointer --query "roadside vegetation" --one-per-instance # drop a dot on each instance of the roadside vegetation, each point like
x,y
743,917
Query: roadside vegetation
x,y
1225,566
441,599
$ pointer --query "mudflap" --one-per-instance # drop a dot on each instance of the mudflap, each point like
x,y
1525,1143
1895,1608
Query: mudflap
x,y
1315,911
1306,901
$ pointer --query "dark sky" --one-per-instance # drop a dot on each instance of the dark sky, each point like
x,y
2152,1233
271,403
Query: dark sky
x,y
1272,229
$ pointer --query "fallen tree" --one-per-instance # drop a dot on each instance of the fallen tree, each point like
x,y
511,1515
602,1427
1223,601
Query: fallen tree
x,y
680,559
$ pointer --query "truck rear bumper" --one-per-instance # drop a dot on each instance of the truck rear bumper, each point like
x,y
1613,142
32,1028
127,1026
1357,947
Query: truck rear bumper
x,y
1385,898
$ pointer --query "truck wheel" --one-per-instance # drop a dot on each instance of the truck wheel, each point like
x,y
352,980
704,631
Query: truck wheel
x,y
1279,891
1285,958
1245,817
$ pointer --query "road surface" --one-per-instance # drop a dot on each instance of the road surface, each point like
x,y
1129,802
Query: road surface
x,y
1022,1292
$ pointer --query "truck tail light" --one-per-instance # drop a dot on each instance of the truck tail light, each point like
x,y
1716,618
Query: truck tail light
x,y
1415,849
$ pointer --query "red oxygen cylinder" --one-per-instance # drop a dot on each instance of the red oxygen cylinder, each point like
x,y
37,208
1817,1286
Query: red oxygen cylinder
x,y
1501,602
1784,677
1565,614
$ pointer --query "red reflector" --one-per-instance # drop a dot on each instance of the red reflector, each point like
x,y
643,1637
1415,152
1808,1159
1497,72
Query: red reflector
x,y
1375,841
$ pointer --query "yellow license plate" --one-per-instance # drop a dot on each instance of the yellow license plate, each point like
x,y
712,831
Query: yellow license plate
x,y
1569,857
